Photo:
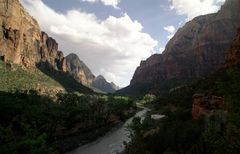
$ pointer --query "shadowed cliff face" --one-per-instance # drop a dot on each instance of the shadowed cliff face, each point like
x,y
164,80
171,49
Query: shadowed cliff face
x,y
101,83
51,58
83,74
233,54
196,50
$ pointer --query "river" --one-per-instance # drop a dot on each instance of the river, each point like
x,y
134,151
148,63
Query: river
x,y
112,142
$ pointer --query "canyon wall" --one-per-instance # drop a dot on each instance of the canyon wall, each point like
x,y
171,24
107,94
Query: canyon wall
x,y
196,50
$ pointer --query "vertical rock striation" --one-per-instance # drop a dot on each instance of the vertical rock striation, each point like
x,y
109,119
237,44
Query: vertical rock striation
x,y
19,34
51,58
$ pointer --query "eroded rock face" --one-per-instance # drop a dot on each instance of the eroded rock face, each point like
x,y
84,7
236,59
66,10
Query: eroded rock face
x,y
205,105
79,70
51,58
81,73
233,54
196,50
21,40
101,83
19,34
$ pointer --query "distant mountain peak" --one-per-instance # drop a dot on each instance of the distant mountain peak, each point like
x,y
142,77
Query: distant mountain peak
x,y
101,77
102,84
79,70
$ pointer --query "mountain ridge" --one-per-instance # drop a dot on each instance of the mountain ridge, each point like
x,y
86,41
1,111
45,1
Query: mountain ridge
x,y
24,43
102,84
196,50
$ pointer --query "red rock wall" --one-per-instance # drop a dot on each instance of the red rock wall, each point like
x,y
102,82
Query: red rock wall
x,y
196,50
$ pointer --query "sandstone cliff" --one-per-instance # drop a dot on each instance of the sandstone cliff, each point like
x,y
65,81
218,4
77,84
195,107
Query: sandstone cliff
x,y
233,54
79,70
196,50
101,84
19,34
50,57
23,43
206,105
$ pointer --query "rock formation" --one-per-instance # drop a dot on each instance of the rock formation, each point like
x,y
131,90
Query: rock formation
x,y
196,50
79,70
51,58
21,40
114,86
23,43
205,105
101,84
233,54
19,34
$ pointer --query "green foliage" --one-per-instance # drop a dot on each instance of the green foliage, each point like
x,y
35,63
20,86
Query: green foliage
x,y
29,122
174,134
217,133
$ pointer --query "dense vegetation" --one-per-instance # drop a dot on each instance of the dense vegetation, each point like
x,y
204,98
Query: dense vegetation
x,y
179,133
31,123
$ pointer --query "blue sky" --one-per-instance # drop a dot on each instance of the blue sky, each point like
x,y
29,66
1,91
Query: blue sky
x,y
153,15
113,36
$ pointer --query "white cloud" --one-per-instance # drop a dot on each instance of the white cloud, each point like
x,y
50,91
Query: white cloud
x,y
113,3
171,30
193,8
113,47
90,1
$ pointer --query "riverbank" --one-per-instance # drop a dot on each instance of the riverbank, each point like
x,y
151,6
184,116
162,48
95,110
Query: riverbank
x,y
82,138
112,142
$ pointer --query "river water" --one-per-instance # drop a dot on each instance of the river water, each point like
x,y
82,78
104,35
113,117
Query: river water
x,y
112,142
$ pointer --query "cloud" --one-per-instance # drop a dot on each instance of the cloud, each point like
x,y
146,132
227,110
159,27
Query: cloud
x,y
113,3
171,30
193,8
90,1
112,47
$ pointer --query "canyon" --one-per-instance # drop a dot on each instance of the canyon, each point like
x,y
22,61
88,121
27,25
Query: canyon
x,y
196,50
23,43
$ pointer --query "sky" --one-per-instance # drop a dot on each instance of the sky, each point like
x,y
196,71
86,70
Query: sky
x,y
112,36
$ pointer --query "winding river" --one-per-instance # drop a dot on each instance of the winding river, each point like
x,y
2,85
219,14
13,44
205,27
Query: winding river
x,y
112,142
